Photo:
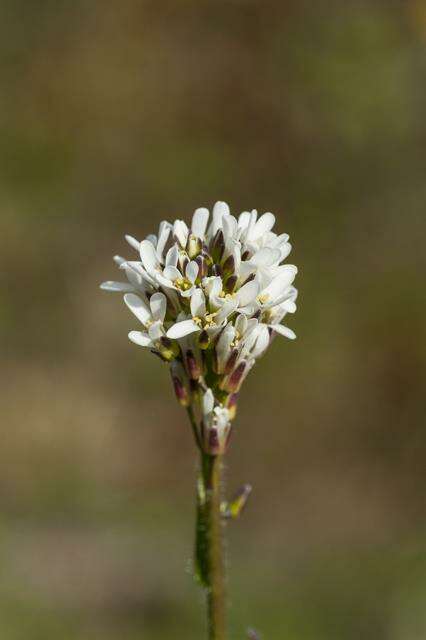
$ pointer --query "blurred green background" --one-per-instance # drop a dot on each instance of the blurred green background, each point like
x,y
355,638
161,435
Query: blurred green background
x,y
114,116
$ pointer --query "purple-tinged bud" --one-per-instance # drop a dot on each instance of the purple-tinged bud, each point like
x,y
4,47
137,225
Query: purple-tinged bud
x,y
234,381
230,284
203,340
228,267
202,268
216,438
246,255
217,246
181,392
231,405
231,362
180,383
192,365
213,441
253,635
217,270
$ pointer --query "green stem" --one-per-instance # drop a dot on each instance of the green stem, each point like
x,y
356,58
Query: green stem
x,y
210,545
194,427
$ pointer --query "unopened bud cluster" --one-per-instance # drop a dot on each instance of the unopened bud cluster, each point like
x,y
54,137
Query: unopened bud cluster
x,y
210,298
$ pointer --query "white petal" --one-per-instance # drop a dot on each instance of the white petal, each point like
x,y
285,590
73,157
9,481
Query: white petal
x,y
244,220
285,303
198,304
172,273
181,329
279,240
236,253
158,304
172,256
156,330
119,260
138,307
284,331
188,293
228,308
219,210
266,257
180,231
280,283
152,238
199,222
148,256
221,415
241,323
191,271
213,286
229,225
249,310
251,325
262,226
163,236
110,285
251,224
138,269
140,338
133,242
208,402
285,250
173,298
223,347
289,306
262,341
133,276
247,293
250,341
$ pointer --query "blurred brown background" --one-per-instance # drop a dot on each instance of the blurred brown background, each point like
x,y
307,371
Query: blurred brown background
x,y
114,116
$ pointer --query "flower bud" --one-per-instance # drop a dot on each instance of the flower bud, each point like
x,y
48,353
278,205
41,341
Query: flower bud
x,y
194,246
203,340
231,362
192,365
217,270
233,382
203,268
228,266
183,261
179,380
216,425
231,405
217,246
230,284
169,349
235,507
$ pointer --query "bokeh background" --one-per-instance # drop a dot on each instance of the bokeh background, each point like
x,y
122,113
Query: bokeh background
x,y
114,116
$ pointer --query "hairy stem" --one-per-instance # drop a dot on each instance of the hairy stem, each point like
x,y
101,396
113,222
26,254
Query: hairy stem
x,y
210,553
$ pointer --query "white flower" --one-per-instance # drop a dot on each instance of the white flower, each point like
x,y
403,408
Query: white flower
x,y
200,319
184,284
216,425
151,314
210,298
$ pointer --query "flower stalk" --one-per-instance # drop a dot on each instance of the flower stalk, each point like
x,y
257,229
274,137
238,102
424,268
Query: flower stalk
x,y
210,299
210,544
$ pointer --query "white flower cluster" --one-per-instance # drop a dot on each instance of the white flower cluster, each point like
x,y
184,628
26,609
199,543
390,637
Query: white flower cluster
x,y
210,298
